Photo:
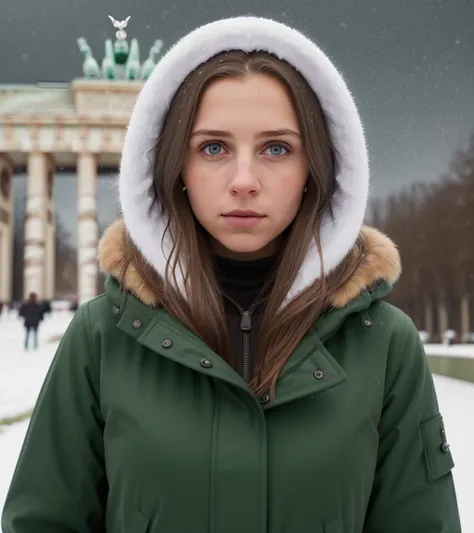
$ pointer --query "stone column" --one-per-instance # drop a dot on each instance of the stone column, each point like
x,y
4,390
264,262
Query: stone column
x,y
87,229
443,322
429,317
35,224
50,251
6,229
465,317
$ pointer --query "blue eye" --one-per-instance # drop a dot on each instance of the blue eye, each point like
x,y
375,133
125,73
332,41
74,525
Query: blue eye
x,y
212,149
277,150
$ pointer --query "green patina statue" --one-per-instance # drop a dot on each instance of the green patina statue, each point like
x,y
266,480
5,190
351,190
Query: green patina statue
x,y
121,60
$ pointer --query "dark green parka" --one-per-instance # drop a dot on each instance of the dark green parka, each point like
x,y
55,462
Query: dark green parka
x,y
141,428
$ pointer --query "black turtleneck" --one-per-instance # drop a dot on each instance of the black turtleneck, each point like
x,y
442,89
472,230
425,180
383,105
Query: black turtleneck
x,y
242,281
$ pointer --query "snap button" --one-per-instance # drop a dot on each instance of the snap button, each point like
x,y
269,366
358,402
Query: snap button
x,y
264,398
137,324
167,343
205,363
116,310
367,323
318,374
444,446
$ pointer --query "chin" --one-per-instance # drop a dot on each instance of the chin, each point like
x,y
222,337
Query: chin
x,y
245,247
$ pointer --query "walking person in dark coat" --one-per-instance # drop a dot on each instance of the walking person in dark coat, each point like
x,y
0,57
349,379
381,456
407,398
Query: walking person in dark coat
x,y
32,312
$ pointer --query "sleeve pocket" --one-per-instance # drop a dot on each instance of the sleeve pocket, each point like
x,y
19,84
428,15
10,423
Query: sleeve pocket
x,y
139,522
437,455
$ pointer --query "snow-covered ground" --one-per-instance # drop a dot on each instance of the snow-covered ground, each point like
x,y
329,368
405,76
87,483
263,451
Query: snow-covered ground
x,y
22,373
455,350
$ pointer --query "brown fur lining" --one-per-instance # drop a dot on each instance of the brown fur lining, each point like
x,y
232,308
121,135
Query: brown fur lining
x,y
381,261
112,254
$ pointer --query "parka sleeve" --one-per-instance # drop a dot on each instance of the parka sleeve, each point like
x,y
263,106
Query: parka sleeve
x,y
59,484
413,489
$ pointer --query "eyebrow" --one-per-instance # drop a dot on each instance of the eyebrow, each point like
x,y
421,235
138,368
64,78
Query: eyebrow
x,y
260,134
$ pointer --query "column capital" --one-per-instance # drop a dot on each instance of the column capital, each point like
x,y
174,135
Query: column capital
x,y
46,155
88,154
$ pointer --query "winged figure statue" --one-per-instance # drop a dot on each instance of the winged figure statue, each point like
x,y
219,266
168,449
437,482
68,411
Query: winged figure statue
x,y
121,34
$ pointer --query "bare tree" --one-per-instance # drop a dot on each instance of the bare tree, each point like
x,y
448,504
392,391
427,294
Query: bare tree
x,y
433,226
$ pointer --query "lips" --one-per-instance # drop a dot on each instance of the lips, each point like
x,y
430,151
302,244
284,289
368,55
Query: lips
x,y
243,213
243,219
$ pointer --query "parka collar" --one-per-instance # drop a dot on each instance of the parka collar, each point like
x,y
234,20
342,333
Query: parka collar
x,y
381,262
157,330
311,368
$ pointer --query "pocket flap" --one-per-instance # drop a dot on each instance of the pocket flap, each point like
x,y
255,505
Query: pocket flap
x,y
334,526
436,451
139,522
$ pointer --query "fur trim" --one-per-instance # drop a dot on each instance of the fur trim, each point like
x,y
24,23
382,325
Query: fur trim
x,y
112,253
381,261
247,34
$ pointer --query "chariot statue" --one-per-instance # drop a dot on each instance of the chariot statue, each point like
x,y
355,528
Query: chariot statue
x,y
121,60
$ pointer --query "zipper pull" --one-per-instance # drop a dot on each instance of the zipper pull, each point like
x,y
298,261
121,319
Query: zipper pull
x,y
245,321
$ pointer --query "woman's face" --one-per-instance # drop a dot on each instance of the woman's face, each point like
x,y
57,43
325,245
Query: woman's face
x,y
245,168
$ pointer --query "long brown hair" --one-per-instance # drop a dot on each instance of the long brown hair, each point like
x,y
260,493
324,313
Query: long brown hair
x,y
202,311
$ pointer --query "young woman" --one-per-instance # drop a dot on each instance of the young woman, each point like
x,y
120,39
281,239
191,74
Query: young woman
x,y
241,373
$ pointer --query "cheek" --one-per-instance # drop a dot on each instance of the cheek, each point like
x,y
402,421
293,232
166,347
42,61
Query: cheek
x,y
289,193
288,202
203,201
195,187
198,202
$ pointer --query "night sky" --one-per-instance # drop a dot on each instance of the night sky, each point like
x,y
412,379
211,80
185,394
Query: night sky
x,y
408,63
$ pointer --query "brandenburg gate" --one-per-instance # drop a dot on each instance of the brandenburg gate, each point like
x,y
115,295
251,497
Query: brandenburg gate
x,y
78,126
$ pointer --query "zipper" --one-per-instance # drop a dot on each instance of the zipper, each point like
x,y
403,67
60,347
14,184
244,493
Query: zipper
x,y
245,328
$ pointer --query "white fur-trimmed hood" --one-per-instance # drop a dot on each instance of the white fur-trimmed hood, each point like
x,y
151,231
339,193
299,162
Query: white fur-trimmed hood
x,y
247,34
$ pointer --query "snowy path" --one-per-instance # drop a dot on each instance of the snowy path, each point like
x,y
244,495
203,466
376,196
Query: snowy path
x,y
456,350
22,373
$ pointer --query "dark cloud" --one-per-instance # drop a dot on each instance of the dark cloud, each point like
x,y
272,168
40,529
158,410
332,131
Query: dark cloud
x,y
409,64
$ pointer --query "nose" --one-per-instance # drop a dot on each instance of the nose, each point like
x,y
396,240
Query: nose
x,y
244,179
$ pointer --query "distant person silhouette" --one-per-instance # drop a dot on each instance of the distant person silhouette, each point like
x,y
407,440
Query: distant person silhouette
x,y
32,313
